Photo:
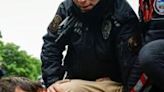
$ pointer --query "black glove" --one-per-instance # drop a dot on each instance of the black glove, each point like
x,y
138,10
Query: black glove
x,y
135,43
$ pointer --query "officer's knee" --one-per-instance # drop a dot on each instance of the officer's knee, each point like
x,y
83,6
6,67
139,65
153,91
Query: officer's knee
x,y
145,56
150,53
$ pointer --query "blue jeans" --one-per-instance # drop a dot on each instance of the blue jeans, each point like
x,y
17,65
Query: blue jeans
x,y
151,58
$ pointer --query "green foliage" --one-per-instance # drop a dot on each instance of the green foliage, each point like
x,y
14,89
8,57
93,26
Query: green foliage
x,y
17,62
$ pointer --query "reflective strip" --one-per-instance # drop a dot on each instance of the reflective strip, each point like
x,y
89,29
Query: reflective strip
x,y
139,85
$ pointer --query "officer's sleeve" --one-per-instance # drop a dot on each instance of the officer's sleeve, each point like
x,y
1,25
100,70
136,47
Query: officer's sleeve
x,y
51,54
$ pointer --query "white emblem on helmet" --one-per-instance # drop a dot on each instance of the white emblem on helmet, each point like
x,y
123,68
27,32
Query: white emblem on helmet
x,y
159,6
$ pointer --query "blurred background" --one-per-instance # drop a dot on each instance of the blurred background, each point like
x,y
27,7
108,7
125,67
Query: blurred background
x,y
22,25
24,22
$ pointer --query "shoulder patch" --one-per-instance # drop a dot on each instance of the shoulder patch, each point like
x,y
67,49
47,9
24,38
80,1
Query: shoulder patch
x,y
159,7
55,23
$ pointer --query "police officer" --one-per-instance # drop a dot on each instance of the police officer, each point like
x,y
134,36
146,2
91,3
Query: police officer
x,y
151,55
90,64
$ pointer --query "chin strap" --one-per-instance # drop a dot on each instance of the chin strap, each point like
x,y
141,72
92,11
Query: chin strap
x,y
146,7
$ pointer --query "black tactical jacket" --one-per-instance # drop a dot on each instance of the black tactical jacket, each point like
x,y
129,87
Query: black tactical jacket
x,y
91,42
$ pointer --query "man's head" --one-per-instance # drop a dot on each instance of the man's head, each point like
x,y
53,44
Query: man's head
x,y
86,5
19,84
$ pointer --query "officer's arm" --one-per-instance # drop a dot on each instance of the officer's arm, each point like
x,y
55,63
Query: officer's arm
x,y
51,54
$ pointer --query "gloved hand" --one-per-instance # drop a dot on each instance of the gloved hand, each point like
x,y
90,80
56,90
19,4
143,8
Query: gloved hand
x,y
135,43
